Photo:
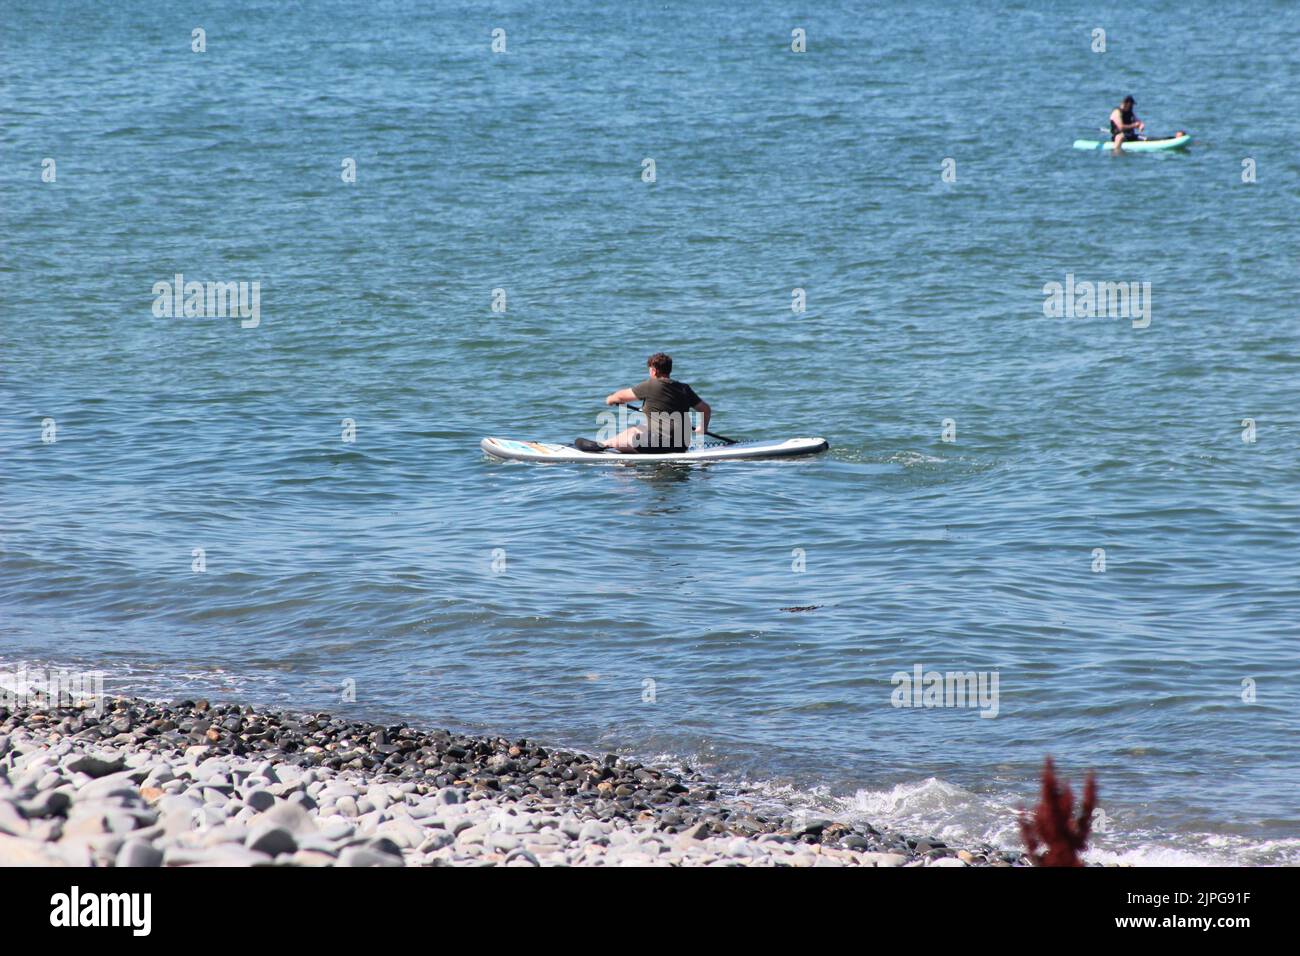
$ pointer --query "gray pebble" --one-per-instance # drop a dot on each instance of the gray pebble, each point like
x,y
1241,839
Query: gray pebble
x,y
310,857
301,798
260,800
12,821
436,841
48,804
122,783
291,816
272,840
138,853
95,766
340,830
227,854
364,856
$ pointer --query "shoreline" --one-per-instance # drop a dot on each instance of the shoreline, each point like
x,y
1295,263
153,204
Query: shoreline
x,y
190,783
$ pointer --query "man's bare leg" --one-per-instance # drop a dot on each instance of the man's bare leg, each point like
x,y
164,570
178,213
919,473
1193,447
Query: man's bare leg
x,y
629,440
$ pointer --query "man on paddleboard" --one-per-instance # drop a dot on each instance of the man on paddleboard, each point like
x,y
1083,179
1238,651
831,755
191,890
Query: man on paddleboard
x,y
1124,124
667,405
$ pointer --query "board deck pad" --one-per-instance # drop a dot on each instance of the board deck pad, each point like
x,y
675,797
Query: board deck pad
x,y
510,449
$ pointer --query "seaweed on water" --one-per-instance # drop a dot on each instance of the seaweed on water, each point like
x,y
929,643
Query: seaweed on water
x,y
1052,836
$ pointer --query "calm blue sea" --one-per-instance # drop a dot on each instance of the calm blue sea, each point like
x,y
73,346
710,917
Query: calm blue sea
x,y
645,610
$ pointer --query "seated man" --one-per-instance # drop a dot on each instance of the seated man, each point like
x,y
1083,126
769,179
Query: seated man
x,y
667,406
1124,125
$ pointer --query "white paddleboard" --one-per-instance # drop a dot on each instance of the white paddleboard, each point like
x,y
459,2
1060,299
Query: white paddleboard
x,y
510,450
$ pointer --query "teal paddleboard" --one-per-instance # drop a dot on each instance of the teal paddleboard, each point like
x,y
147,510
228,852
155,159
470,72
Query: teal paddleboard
x,y
1177,141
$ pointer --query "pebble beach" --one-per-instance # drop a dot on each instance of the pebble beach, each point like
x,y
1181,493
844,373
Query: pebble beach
x,y
137,783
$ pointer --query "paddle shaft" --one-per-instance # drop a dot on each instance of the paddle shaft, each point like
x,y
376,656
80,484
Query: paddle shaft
x,y
722,438
1141,134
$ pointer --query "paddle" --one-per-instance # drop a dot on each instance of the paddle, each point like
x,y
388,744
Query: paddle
x,y
1141,134
1110,135
722,438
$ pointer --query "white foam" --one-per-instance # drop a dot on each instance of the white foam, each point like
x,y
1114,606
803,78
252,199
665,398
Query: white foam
x,y
937,808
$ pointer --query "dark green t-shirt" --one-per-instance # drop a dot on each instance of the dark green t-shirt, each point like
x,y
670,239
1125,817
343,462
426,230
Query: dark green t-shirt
x,y
667,406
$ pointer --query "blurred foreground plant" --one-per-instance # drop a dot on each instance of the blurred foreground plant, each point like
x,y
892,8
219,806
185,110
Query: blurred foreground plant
x,y
1052,836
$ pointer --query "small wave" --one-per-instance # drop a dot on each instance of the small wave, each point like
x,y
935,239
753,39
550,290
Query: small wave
x,y
936,808
910,459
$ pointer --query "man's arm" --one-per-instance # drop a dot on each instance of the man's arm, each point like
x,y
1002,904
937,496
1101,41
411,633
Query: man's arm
x,y
621,397
703,408
1117,118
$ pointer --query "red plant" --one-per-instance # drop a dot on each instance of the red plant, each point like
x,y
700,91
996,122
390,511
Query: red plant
x,y
1052,837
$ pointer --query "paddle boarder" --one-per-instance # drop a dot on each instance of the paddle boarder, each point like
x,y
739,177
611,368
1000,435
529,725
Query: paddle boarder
x,y
667,404
1124,124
